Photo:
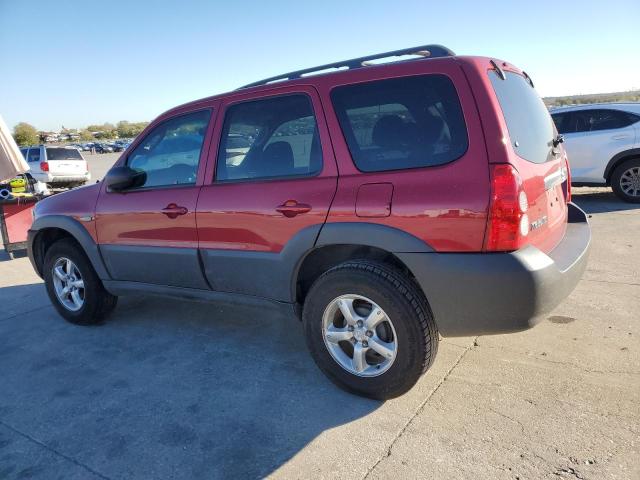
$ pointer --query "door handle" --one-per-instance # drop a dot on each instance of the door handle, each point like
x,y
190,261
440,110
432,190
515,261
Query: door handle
x,y
174,211
291,208
620,137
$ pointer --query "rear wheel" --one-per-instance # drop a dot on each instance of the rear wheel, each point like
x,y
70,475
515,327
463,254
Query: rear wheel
x,y
73,286
625,181
369,329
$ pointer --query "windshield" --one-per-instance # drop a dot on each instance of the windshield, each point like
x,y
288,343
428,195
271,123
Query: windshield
x,y
530,126
63,154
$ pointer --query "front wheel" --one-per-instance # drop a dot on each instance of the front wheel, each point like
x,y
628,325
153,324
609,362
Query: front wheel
x,y
73,285
625,181
369,329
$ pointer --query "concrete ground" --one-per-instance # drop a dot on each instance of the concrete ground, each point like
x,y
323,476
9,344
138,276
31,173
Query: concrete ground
x,y
169,389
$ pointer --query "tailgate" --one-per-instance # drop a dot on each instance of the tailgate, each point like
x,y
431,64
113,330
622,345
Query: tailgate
x,y
65,161
537,155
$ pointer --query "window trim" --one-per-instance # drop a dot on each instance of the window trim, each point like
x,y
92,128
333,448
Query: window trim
x,y
270,96
152,127
383,79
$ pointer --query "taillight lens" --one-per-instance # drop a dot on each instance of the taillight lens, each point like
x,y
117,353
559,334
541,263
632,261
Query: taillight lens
x,y
508,222
44,166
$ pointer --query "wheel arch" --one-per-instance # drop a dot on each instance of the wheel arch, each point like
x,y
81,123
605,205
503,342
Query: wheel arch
x,y
617,159
340,242
48,229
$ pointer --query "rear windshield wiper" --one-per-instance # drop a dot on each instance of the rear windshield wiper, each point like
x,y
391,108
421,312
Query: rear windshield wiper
x,y
558,140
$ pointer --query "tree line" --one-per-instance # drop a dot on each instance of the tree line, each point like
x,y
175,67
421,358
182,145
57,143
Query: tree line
x,y
26,134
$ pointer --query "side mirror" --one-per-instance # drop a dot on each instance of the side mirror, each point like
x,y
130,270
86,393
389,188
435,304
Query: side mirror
x,y
119,179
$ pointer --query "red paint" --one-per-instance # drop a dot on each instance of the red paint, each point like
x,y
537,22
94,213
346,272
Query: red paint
x,y
17,218
446,206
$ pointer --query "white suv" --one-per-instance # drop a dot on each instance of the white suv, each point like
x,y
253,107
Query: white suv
x,y
57,166
603,145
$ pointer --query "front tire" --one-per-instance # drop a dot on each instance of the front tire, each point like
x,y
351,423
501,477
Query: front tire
x,y
625,181
369,329
73,285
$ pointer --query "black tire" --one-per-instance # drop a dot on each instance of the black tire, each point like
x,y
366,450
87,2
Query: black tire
x,y
98,303
616,178
402,301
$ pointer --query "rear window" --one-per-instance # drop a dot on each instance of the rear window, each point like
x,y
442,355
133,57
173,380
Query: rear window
x,y
401,123
531,128
63,154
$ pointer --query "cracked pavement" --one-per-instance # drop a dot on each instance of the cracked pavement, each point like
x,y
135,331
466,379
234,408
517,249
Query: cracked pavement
x,y
169,389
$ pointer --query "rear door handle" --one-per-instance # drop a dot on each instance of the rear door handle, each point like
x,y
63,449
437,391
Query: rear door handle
x,y
174,211
291,208
620,137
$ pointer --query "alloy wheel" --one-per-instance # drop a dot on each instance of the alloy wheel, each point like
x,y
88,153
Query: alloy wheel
x,y
68,284
630,182
359,335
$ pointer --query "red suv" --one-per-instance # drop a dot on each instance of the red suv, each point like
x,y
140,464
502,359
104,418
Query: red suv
x,y
384,204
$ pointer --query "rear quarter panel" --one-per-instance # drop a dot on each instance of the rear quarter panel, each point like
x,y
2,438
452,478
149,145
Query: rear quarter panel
x,y
446,205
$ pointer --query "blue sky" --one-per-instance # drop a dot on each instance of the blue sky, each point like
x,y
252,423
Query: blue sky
x,y
77,62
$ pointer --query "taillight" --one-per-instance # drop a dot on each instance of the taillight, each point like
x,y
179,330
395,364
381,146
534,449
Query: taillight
x,y
508,222
44,166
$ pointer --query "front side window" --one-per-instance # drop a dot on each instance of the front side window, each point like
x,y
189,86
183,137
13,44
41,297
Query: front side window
x,y
530,126
170,153
275,137
34,155
401,123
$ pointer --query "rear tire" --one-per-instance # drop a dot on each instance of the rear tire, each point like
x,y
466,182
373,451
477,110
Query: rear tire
x,y
86,302
625,181
409,329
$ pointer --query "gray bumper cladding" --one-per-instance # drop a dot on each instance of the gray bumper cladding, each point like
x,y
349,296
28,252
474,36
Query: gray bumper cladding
x,y
487,293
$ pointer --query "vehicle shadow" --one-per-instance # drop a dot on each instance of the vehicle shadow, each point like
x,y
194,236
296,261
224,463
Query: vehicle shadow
x,y
600,201
165,388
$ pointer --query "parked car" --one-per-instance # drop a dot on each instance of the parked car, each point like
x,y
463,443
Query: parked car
x,y
603,144
59,167
384,204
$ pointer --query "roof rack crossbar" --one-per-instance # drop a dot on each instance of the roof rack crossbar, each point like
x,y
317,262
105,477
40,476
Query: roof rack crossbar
x,y
427,51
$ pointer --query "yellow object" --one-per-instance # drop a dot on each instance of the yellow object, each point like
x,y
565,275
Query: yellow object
x,y
18,185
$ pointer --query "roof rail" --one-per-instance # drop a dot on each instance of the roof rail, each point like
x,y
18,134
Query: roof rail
x,y
427,51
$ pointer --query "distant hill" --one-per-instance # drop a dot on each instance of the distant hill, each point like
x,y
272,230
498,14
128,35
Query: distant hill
x,y
631,96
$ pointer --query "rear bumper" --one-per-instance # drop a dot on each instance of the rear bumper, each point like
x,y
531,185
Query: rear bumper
x,y
52,178
488,293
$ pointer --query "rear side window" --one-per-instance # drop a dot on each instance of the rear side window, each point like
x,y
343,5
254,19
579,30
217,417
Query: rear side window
x,y
63,154
401,123
170,153
275,137
530,126
34,155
